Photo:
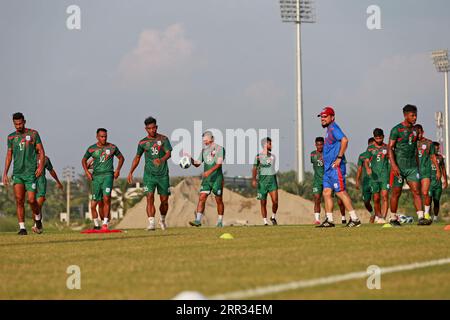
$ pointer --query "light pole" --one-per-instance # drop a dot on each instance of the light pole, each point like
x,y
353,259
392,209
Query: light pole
x,y
298,12
69,175
440,59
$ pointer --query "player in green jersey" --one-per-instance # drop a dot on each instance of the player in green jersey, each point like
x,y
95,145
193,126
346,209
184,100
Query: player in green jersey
x,y
378,170
362,173
103,176
212,156
436,184
402,151
265,180
41,183
157,150
427,157
24,150
318,168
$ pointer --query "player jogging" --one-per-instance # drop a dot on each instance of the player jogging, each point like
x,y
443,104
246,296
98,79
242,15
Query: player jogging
x,y
103,175
265,180
378,169
317,162
212,156
402,150
334,164
366,189
25,150
157,150
41,183
436,183
427,157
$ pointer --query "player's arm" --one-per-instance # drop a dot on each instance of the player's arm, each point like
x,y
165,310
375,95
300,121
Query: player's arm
x,y
134,165
436,165
255,172
344,145
119,165
358,176
55,177
206,174
41,167
197,163
8,160
444,174
166,157
394,167
86,166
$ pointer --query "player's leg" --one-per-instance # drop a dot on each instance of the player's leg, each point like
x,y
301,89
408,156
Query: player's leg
x,y
106,211
436,196
31,197
263,203
94,214
220,210
425,190
19,194
377,205
200,206
163,208
328,200
418,203
397,187
151,211
274,197
317,209
340,189
342,210
384,204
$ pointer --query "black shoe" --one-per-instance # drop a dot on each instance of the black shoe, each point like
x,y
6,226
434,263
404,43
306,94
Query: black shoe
x,y
22,232
344,221
353,224
326,224
424,222
97,228
37,228
395,223
274,221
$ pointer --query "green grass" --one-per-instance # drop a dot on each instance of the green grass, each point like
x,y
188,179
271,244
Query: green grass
x,y
142,265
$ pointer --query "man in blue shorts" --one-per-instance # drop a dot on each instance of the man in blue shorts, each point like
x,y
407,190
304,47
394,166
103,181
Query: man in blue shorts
x,y
334,164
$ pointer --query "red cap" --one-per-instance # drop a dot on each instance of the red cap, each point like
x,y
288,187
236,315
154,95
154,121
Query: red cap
x,y
327,111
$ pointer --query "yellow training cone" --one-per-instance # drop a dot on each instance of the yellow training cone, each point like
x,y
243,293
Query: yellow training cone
x,y
226,236
387,225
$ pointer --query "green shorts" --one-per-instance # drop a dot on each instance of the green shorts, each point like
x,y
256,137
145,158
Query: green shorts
x,y
425,173
215,185
41,186
317,187
435,192
366,191
160,183
265,186
410,175
102,186
380,182
29,181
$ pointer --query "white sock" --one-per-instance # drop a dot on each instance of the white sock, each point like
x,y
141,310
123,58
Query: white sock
x,y
220,218
427,209
105,220
151,220
330,217
420,214
38,217
22,225
317,216
265,221
343,218
274,215
353,215
163,218
96,222
199,216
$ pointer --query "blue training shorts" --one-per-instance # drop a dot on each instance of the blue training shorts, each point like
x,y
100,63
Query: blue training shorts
x,y
334,178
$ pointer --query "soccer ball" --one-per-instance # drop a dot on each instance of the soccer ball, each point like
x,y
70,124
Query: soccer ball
x,y
403,219
409,220
185,162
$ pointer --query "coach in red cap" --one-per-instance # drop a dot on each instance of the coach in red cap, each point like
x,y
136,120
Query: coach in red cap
x,y
334,164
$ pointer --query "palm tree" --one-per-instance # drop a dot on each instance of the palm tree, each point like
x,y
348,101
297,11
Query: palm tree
x,y
123,199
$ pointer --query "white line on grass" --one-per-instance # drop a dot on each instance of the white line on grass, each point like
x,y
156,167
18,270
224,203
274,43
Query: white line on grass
x,y
261,291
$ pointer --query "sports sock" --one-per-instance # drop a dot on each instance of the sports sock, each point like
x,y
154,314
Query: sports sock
x,y
37,217
343,218
163,218
22,225
274,215
265,221
353,215
317,216
330,217
420,214
199,216
151,220
105,221
427,209
219,218
96,222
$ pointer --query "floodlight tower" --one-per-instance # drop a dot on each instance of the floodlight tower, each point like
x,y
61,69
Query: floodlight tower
x,y
69,175
298,12
440,59
439,117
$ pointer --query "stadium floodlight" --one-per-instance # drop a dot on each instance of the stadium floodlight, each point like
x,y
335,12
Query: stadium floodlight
x,y
298,12
69,175
440,59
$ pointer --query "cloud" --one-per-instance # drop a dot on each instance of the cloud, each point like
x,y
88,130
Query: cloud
x,y
156,52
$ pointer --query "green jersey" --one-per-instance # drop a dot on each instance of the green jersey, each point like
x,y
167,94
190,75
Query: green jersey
x,y
361,159
405,147
103,158
441,162
48,166
265,165
25,155
425,150
154,148
379,160
317,162
210,156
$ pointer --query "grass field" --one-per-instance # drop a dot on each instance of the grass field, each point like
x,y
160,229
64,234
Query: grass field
x,y
141,265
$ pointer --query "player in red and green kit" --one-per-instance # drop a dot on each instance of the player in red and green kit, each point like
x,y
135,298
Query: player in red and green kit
x,y
265,180
427,157
362,173
103,176
41,183
157,150
24,150
402,150
212,156
378,170
436,183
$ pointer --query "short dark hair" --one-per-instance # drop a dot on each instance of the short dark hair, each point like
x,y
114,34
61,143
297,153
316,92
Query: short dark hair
x,y
371,140
18,116
378,132
102,130
436,144
418,127
320,139
265,140
410,108
149,120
